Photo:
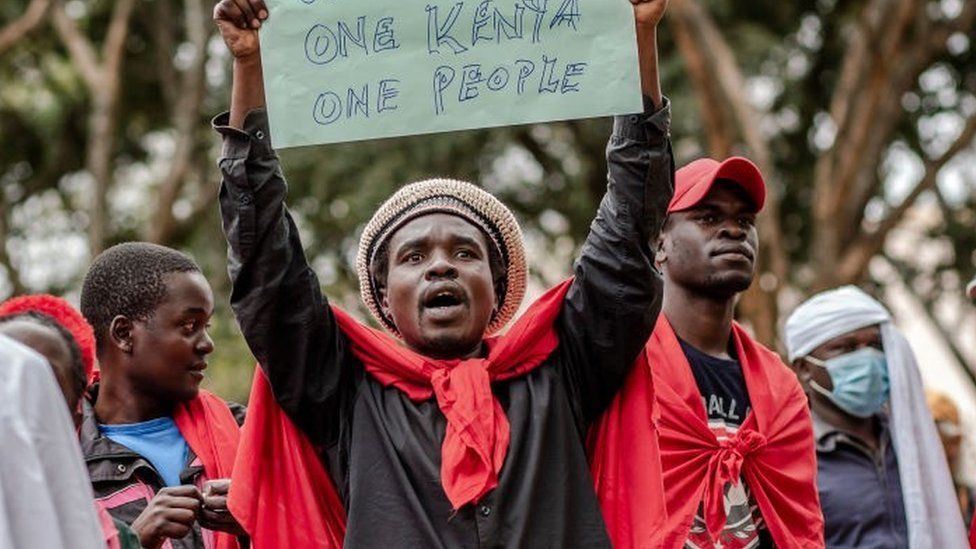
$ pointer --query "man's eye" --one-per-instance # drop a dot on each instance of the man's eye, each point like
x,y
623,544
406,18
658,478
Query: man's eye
x,y
415,257
747,222
709,219
465,254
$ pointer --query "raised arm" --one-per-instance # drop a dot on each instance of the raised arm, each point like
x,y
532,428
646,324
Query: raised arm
x,y
275,295
611,308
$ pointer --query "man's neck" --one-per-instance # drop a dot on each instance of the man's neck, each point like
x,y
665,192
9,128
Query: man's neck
x,y
119,402
864,429
704,322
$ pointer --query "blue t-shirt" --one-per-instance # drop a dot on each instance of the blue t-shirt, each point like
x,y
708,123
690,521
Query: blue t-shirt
x,y
157,440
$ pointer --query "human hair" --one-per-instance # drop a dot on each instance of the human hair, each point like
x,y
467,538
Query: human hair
x,y
128,280
78,378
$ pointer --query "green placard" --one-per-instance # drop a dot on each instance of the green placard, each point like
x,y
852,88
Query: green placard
x,y
345,70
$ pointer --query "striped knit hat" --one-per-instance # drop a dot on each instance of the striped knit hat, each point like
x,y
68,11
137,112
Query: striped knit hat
x,y
464,200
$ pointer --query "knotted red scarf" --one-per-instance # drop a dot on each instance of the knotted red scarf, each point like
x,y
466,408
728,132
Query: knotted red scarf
x,y
477,435
280,491
773,451
212,433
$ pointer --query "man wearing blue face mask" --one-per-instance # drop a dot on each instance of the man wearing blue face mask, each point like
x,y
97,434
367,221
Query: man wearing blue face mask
x,y
881,471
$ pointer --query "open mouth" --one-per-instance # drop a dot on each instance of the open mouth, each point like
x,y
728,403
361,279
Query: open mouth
x,y
444,302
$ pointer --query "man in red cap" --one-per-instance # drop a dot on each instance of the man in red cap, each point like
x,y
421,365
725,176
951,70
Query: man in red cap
x,y
728,417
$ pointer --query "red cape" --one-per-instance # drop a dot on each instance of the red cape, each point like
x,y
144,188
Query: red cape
x,y
625,461
773,450
972,534
211,431
280,490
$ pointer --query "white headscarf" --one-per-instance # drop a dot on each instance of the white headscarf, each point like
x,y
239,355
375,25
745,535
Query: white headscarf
x,y
45,496
934,519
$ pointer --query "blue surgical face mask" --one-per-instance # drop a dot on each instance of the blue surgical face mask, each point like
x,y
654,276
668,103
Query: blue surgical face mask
x,y
860,381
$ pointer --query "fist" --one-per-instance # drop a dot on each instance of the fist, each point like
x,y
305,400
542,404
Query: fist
x,y
239,21
648,13
170,514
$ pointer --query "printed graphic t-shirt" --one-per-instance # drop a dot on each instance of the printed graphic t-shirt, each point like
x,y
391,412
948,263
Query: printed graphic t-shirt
x,y
158,440
723,389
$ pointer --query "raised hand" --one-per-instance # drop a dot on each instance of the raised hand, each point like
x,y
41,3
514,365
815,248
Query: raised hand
x,y
648,13
239,21
170,514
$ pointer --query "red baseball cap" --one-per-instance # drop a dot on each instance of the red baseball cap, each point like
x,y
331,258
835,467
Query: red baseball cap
x,y
693,181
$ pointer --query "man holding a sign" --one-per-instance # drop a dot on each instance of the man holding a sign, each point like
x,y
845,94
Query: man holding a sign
x,y
437,433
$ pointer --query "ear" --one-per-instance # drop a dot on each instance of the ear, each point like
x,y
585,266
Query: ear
x,y
660,255
384,302
802,370
120,333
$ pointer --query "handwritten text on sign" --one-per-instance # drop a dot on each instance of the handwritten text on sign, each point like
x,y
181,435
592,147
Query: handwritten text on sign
x,y
344,70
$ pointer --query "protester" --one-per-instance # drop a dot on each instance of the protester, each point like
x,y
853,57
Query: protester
x,y
47,501
443,438
945,413
882,475
159,449
54,328
736,441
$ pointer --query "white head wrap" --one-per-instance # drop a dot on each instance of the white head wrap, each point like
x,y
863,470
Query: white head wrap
x,y
46,498
930,501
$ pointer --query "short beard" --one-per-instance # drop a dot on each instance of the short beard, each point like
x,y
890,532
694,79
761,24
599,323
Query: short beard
x,y
724,286
446,347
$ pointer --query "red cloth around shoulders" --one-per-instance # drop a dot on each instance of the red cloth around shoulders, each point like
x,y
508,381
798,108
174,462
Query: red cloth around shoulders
x,y
773,451
281,492
212,433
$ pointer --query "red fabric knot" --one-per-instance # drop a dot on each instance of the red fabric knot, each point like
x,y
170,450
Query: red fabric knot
x,y
726,465
733,451
477,433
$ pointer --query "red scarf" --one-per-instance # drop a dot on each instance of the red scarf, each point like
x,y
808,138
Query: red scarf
x,y
211,431
773,450
280,492
972,534
280,487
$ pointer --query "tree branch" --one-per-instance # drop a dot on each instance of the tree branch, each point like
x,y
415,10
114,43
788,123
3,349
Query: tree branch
x,y
114,47
185,116
855,259
15,30
79,47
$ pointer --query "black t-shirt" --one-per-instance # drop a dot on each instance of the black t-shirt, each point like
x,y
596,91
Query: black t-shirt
x,y
726,398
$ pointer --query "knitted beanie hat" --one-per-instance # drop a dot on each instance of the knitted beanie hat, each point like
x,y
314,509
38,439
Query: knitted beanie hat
x,y
454,197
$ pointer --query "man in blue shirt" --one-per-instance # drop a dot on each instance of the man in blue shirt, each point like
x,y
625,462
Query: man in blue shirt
x,y
150,308
881,472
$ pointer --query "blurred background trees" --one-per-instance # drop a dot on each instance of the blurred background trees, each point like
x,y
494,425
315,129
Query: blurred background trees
x,y
861,114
